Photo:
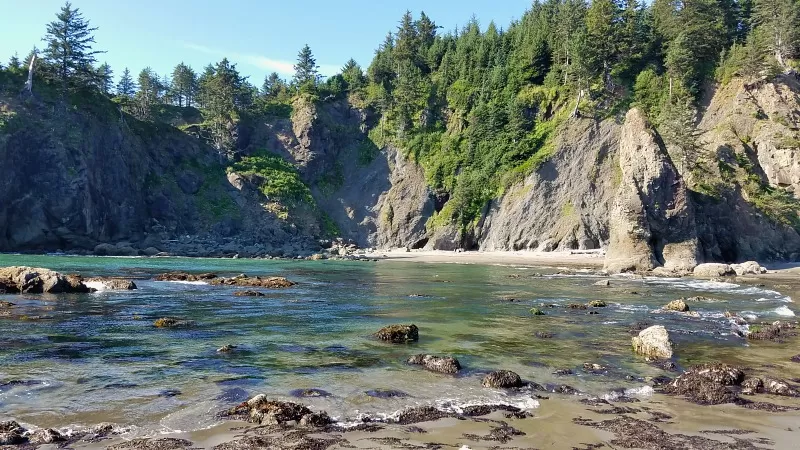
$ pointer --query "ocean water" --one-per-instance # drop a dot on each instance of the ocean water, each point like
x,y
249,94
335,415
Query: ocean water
x,y
77,360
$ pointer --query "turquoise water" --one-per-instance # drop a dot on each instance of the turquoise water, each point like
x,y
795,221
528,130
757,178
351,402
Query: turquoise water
x,y
84,359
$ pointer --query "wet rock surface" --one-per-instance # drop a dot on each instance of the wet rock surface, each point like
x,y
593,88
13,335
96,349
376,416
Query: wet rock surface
x,y
45,436
261,410
153,444
246,281
171,322
441,364
398,334
502,379
11,433
249,294
183,276
677,305
653,342
32,280
309,393
636,433
111,284
386,393
776,331
707,384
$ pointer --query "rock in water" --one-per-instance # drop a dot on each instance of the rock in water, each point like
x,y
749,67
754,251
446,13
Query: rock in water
x,y
537,312
502,379
748,268
11,433
45,436
183,276
677,305
707,384
399,334
652,217
245,281
653,342
111,284
249,294
442,364
713,270
31,280
597,304
170,322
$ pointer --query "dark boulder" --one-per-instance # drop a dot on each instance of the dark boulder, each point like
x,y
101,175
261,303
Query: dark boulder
x,y
398,334
502,379
442,364
245,281
708,384
183,276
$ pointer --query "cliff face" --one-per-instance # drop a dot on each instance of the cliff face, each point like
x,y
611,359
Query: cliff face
x,y
652,218
565,204
78,179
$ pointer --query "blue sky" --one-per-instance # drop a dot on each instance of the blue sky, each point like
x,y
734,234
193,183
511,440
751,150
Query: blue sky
x,y
260,36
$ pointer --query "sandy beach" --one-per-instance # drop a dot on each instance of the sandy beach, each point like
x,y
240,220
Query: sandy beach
x,y
574,259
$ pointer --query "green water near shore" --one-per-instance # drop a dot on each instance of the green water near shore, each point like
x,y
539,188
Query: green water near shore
x,y
84,359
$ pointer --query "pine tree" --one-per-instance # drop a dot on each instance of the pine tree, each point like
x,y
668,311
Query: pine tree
x,y
69,48
147,95
105,78
184,84
306,69
602,37
778,21
14,63
126,87
353,75
224,92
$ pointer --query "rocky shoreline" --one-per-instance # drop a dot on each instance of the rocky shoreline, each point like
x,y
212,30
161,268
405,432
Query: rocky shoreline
x,y
283,424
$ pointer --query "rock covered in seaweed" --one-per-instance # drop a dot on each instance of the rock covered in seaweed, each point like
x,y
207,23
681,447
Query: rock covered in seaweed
x,y
442,364
11,433
246,281
398,334
502,379
260,409
183,276
707,384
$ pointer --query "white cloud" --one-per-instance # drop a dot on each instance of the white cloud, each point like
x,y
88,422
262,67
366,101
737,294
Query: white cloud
x,y
262,62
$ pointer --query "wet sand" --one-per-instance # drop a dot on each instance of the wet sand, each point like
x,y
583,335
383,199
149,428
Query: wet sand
x,y
560,423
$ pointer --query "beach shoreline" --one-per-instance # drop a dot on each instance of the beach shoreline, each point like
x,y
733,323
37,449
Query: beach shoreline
x,y
592,259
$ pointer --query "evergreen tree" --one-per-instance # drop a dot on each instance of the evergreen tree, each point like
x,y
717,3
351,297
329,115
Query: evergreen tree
x,y
105,78
224,92
126,87
778,22
273,86
602,37
147,95
14,63
306,69
353,75
184,84
69,49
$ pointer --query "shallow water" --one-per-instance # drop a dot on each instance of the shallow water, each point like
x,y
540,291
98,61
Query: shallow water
x,y
85,359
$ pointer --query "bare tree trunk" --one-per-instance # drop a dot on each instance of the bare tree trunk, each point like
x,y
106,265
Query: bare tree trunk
x,y
575,112
29,84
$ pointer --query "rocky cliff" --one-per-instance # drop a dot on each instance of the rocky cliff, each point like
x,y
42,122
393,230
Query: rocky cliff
x,y
91,179
78,179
